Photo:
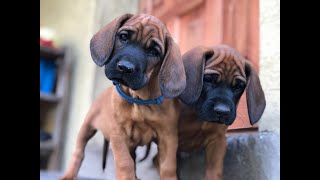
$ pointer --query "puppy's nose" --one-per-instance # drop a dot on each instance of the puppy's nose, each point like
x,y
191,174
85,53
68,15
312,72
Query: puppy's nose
x,y
125,67
222,109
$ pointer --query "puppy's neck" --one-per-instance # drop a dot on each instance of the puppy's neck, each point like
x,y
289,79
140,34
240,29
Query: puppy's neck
x,y
150,91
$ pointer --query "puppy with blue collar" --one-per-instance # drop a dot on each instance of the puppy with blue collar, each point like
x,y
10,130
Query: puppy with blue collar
x,y
146,67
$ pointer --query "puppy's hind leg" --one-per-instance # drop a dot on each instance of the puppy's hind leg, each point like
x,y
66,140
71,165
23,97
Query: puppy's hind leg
x,y
134,157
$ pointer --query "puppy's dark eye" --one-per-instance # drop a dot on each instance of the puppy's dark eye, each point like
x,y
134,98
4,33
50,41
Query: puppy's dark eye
x,y
124,37
207,78
153,52
211,78
239,85
215,78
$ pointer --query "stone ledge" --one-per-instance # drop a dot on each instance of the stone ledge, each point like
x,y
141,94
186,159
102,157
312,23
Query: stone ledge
x,y
253,156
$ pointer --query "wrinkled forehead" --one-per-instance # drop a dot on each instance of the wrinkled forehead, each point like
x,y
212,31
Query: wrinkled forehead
x,y
227,62
146,29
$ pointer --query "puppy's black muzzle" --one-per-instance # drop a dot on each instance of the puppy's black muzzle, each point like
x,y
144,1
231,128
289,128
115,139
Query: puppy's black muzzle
x,y
217,110
127,67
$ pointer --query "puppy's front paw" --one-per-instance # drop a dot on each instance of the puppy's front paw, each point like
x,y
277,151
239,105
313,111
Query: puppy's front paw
x,y
68,177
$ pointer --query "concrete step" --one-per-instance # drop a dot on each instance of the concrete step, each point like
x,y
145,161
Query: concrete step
x,y
253,156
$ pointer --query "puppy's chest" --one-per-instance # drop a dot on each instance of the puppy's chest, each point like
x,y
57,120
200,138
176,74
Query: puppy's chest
x,y
141,124
139,133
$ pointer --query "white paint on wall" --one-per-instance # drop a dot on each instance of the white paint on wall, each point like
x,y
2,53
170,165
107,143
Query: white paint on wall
x,y
270,63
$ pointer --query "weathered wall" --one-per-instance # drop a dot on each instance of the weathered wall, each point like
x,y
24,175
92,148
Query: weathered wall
x,y
270,63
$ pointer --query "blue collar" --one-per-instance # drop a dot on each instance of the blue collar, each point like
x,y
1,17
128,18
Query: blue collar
x,y
158,100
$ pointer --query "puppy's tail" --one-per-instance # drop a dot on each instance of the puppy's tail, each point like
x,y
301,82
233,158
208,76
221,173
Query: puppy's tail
x,y
105,153
147,153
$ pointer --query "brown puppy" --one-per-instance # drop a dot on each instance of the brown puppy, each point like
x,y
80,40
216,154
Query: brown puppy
x,y
144,62
216,79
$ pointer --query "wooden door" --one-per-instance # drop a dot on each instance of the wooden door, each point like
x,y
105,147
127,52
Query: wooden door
x,y
210,22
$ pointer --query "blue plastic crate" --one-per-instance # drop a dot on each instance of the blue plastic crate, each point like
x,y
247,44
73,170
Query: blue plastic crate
x,y
48,72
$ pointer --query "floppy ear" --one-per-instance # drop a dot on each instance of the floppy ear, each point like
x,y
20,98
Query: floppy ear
x,y
194,63
172,75
255,96
101,44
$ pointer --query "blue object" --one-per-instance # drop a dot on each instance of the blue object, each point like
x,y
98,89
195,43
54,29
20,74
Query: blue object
x,y
158,100
48,71
42,71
